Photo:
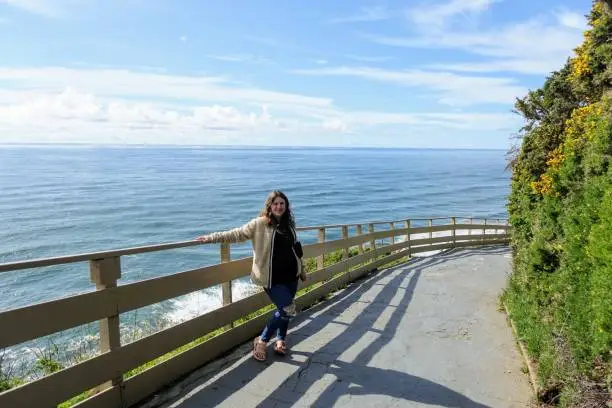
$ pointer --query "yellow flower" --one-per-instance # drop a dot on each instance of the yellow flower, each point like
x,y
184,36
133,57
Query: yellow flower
x,y
580,126
544,186
555,158
598,11
580,66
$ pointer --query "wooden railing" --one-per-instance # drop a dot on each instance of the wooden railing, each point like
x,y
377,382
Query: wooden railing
x,y
105,371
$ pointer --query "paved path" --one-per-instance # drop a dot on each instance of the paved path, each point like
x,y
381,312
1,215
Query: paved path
x,y
426,333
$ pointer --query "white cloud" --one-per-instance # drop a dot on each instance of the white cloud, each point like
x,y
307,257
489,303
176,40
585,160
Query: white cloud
x,y
572,20
74,105
116,106
533,67
365,14
449,88
337,125
82,117
434,17
183,38
445,123
537,46
124,83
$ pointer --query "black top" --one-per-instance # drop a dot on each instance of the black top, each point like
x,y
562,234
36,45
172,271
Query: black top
x,y
284,261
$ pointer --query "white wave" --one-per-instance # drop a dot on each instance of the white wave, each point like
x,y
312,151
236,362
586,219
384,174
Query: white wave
x,y
242,289
193,305
198,303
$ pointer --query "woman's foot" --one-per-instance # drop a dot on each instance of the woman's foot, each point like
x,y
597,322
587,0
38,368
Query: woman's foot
x,y
260,349
280,347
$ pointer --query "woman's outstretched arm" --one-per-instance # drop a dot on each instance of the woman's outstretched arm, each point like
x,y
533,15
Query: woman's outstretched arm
x,y
240,234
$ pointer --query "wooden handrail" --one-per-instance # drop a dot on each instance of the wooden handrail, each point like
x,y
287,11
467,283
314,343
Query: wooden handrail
x,y
58,260
90,256
315,227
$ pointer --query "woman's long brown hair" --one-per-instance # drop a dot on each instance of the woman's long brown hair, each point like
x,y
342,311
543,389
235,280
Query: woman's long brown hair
x,y
286,220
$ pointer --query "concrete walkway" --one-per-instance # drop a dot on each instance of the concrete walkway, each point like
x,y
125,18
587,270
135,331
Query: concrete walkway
x,y
426,333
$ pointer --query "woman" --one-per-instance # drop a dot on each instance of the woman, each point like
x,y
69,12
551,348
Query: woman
x,y
276,265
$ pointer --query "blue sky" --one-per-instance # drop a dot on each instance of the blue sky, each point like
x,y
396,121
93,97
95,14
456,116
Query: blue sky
x,y
323,73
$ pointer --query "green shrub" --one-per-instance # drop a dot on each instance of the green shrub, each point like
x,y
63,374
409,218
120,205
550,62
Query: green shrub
x,y
560,206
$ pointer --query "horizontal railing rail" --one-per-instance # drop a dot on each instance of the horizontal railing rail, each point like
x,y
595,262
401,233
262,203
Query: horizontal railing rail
x,y
105,371
59,260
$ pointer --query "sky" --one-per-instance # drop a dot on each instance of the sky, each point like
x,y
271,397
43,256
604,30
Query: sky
x,y
421,74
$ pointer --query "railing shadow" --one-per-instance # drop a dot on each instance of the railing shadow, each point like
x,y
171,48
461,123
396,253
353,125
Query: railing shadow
x,y
322,378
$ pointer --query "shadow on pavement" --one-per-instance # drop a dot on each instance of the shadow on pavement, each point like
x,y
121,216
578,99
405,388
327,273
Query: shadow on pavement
x,y
320,377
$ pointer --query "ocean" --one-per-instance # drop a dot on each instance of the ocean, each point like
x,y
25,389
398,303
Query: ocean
x,y
61,200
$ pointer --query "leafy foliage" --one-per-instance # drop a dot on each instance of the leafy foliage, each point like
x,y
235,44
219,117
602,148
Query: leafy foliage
x,y
560,293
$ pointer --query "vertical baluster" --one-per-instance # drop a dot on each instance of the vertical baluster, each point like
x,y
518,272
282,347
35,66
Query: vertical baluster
x,y
408,235
484,229
373,241
226,287
360,232
507,231
105,273
321,258
345,251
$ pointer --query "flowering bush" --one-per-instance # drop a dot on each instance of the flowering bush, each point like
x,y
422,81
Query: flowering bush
x,y
560,206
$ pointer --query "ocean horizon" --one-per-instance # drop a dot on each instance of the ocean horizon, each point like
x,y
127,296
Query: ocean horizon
x,y
236,147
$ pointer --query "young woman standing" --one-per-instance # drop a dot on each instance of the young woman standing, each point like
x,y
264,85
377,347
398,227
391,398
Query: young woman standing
x,y
277,265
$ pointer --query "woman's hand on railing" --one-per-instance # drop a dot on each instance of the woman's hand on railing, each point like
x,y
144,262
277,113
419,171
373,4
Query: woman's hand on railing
x,y
205,239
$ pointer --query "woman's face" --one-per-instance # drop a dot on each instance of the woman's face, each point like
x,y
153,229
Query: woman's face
x,y
278,207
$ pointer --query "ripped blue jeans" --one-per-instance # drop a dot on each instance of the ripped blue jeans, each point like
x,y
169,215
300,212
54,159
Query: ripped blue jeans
x,y
282,296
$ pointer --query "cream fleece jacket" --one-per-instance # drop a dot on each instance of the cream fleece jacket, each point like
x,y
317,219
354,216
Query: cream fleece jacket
x,y
261,234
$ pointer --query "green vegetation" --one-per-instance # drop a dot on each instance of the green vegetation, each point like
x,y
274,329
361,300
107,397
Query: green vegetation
x,y
560,293
7,379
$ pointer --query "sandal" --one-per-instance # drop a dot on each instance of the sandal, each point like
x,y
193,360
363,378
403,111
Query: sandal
x,y
280,347
260,350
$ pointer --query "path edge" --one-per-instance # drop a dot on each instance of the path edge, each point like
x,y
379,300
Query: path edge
x,y
530,367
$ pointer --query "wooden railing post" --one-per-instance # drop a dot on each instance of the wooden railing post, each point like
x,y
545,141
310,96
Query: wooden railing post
x,y
321,258
430,224
360,232
507,232
484,230
471,222
105,273
454,231
408,235
372,242
226,287
345,251
392,224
